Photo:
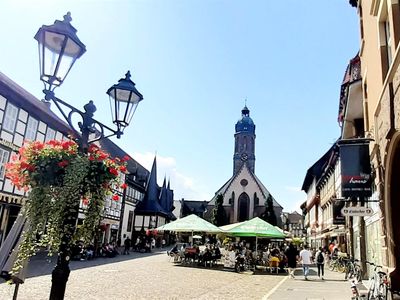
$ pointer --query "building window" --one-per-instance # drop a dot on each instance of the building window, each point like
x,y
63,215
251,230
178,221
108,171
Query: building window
x,y
130,218
388,42
31,129
10,118
50,135
4,155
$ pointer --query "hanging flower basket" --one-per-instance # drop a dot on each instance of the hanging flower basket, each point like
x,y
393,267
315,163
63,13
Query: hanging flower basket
x,y
59,177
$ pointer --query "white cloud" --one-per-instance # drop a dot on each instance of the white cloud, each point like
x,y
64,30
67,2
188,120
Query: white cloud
x,y
296,196
293,189
184,186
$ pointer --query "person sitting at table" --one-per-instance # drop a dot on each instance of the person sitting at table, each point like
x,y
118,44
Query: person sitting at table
x,y
174,250
274,263
207,256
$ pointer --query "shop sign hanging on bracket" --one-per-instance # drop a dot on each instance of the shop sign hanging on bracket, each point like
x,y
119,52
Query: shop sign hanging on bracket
x,y
357,211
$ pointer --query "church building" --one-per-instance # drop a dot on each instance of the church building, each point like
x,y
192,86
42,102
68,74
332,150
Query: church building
x,y
244,195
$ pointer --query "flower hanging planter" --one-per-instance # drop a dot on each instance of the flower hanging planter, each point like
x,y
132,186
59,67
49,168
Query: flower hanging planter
x,y
58,177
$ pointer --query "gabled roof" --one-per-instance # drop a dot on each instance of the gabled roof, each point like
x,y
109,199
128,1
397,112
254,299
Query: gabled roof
x,y
260,185
317,169
294,217
193,207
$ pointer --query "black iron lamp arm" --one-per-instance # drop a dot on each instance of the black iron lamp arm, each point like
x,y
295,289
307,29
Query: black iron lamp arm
x,y
89,125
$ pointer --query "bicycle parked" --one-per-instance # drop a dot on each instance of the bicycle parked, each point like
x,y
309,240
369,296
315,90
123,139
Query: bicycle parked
x,y
337,264
378,284
352,270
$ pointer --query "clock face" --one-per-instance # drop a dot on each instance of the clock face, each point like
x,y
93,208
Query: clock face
x,y
244,157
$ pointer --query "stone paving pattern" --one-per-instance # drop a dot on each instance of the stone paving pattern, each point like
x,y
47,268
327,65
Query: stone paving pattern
x,y
140,276
334,287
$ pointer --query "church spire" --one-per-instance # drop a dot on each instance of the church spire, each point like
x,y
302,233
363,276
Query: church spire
x,y
244,142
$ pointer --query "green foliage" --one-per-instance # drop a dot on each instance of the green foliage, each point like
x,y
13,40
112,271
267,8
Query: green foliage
x,y
59,178
226,241
269,214
218,213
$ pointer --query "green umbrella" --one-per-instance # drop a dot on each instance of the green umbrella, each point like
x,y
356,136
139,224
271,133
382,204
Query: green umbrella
x,y
256,227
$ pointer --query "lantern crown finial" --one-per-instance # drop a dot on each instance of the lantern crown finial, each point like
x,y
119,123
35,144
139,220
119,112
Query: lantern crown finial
x,y
128,75
67,18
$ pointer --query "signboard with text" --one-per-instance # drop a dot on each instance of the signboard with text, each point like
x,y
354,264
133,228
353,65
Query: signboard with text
x,y
355,170
357,211
338,217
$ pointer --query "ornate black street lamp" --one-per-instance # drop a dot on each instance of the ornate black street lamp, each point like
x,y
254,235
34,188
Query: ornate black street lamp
x,y
59,48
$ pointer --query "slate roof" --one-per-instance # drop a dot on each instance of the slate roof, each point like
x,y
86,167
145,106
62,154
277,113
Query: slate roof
x,y
294,217
193,207
318,168
150,204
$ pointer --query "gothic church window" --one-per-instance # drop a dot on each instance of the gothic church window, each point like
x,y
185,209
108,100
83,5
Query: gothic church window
x,y
243,213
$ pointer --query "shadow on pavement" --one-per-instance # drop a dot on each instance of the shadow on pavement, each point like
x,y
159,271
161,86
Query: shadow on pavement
x,y
42,264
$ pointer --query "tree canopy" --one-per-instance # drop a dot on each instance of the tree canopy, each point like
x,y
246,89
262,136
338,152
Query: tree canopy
x,y
218,214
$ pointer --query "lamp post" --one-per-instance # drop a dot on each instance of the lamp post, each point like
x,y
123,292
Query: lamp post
x,y
59,48
284,219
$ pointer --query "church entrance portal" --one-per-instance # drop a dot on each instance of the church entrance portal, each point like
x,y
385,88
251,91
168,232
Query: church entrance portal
x,y
244,202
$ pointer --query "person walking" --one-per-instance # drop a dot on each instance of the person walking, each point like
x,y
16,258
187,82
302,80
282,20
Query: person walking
x,y
292,255
320,262
305,258
127,245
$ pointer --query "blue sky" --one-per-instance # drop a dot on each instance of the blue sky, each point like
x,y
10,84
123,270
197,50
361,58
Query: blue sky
x,y
195,61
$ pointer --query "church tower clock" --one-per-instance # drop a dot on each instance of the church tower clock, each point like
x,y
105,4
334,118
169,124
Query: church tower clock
x,y
244,142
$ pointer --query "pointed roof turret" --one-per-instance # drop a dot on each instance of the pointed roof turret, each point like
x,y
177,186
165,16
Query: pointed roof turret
x,y
164,196
170,201
150,204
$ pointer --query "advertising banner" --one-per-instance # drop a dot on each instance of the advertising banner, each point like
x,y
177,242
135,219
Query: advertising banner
x,y
356,170
338,217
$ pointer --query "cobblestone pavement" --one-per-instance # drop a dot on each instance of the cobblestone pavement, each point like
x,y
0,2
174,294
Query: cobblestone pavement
x,y
140,276
334,287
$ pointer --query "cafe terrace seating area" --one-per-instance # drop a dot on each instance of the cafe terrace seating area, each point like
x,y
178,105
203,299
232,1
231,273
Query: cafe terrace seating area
x,y
239,255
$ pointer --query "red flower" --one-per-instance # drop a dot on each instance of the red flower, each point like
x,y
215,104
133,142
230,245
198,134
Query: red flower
x,y
102,155
115,197
93,148
28,167
122,169
85,201
53,143
124,186
63,163
66,144
113,171
125,158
